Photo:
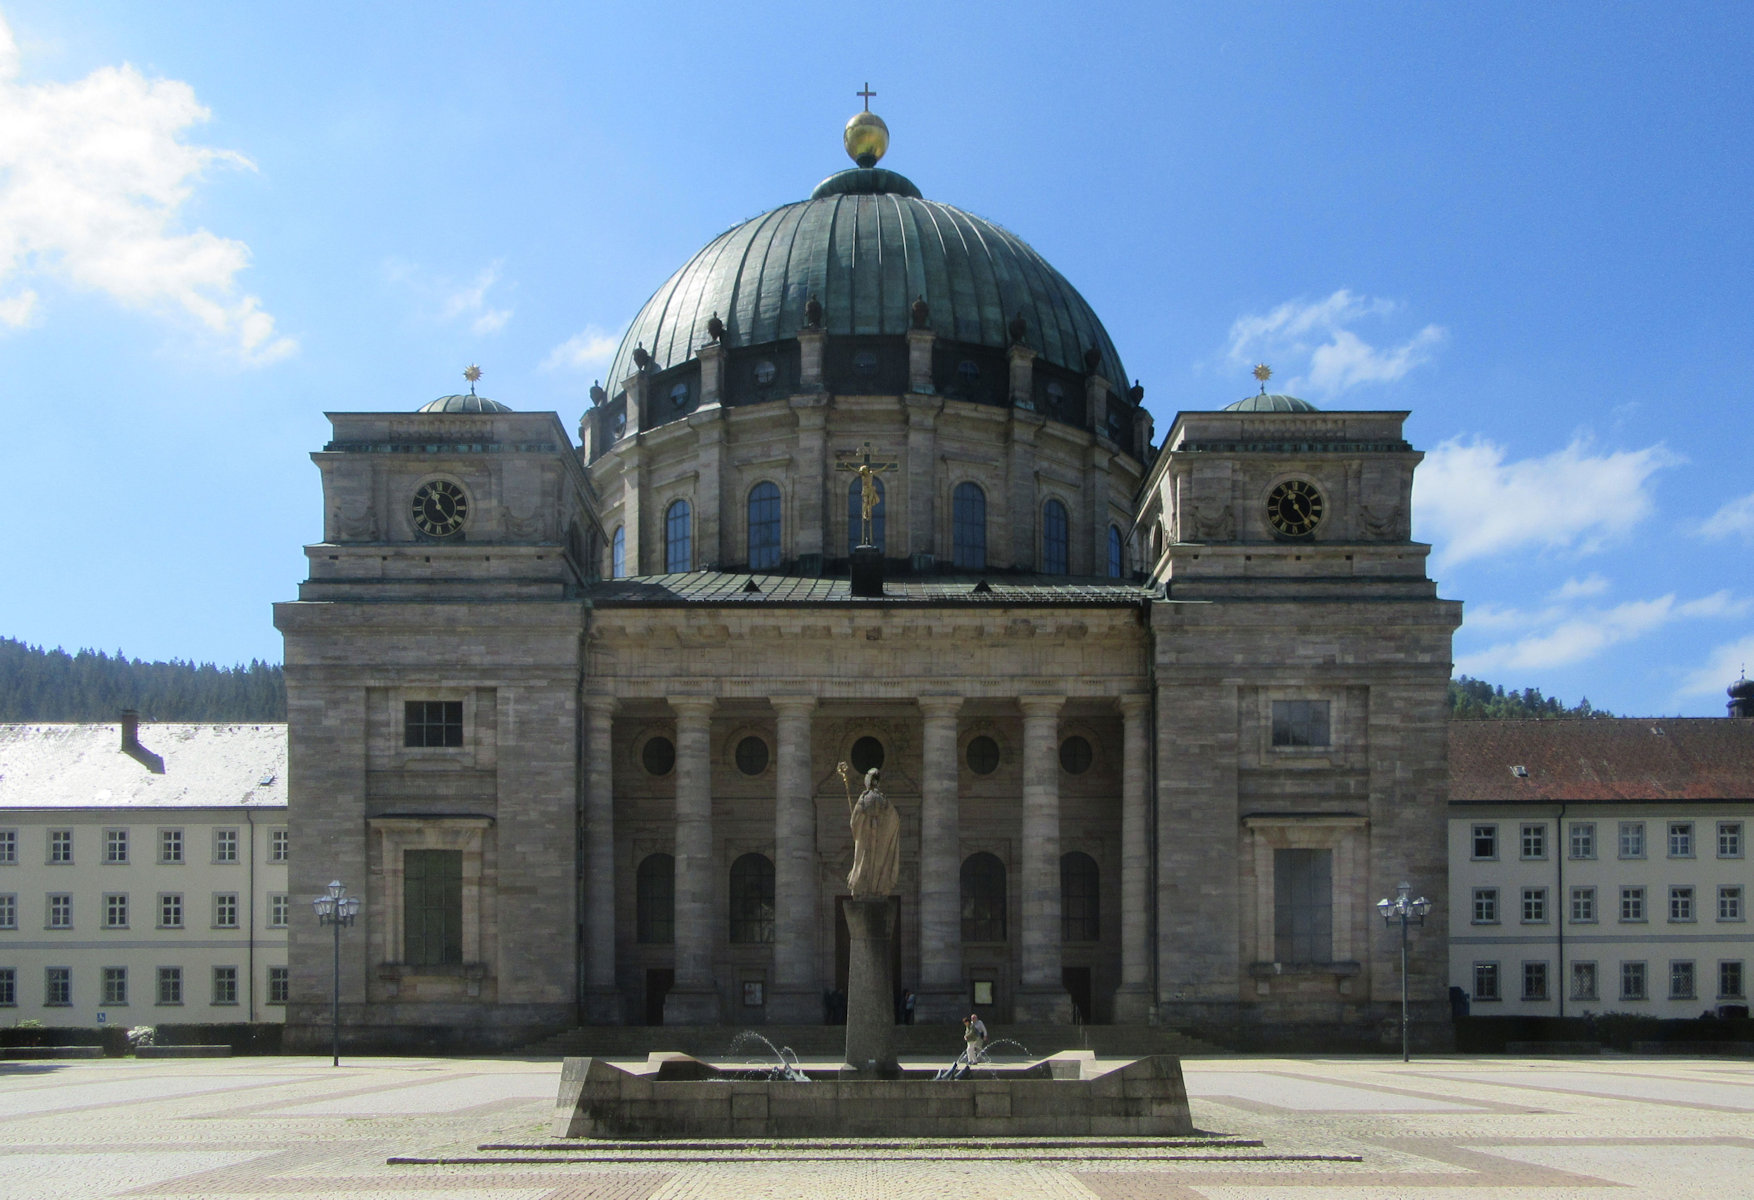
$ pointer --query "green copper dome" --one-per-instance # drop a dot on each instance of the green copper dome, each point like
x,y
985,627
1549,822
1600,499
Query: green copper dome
x,y
866,245
469,402
1273,402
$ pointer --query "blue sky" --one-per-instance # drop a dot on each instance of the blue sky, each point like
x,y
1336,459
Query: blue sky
x,y
1528,224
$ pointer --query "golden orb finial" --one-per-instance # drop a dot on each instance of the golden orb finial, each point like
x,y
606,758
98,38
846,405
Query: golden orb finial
x,y
471,373
1263,373
866,136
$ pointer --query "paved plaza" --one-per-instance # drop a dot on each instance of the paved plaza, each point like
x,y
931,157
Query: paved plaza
x,y
295,1127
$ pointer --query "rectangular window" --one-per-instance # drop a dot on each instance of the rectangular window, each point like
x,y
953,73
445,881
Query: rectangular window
x,y
1534,981
1729,904
8,987
1583,981
60,910
170,985
8,911
1300,723
1632,839
170,910
1534,841
1681,980
1534,906
1632,985
1680,904
225,985
1729,980
279,907
1632,904
115,845
8,847
1583,839
1680,839
60,846
225,910
279,985
116,910
1303,906
57,986
225,845
170,845
1485,906
1486,981
433,723
1485,841
115,985
1583,905
1729,839
278,844
432,907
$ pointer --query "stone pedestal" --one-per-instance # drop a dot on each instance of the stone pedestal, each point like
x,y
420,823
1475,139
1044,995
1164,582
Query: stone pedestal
x,y
870,990
867,565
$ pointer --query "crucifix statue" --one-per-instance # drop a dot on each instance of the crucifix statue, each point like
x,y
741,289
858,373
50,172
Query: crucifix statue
x,y
867,472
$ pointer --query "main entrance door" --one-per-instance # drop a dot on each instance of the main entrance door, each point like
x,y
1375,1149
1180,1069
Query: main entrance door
x,y
659,981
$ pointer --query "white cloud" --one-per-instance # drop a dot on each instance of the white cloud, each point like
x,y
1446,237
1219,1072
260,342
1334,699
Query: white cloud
x,y
1320,333
1471,503
470,302
93,175
1560,636
1735,519
590,347
1577,589
1723,666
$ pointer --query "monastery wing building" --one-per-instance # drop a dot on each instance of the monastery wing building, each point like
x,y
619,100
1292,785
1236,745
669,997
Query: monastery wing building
x,y
869,485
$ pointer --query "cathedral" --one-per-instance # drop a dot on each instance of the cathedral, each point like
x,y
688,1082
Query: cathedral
x,y
1162,717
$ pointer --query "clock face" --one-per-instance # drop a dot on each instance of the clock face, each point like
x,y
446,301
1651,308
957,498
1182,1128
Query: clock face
x,y
1294,508
440,508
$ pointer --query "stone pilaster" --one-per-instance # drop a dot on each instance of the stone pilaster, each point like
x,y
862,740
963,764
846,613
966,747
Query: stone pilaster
x,y
1023,378
812,523
1042,996
940,995
1090,552
920,533
636,386
919,360
712,374
794,997
602,1005
1133,999
1096,403
694,1000
709,549
1024,498
811,343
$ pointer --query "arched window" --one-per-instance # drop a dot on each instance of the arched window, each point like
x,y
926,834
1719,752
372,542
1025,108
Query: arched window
x,y
678,538
752,899
983,898
855,515
654,897
764,527
1054,536
1080,898
1116,558
618,553
968,518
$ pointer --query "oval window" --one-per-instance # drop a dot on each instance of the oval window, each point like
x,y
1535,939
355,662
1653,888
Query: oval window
x,y
968,370
679,395
620,425
1056,397
765,373
983,755
867,754
1075,755
658,755
752,756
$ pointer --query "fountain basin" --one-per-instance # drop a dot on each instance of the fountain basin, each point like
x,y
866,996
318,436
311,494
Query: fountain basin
x,y
1063,1096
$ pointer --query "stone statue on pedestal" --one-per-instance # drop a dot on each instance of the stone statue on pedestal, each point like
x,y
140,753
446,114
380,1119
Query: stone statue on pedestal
x,y
876,839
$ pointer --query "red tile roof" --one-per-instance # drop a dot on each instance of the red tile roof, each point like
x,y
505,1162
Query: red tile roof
x,y
1609,758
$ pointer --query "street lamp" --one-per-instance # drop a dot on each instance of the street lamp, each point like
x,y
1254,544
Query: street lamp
x,y
336,908
1409,912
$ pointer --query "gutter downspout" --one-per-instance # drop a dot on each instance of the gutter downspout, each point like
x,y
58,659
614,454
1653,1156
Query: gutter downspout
x,y
251,818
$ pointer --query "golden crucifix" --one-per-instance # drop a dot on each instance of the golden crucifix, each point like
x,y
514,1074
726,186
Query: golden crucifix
x,y
867,472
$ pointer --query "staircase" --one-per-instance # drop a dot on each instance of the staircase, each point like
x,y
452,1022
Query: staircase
x,y
828,1041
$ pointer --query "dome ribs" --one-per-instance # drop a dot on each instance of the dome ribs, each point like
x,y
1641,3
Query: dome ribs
x,y
758,314
892,249
866,316
949,299
811,273
986,306
914,241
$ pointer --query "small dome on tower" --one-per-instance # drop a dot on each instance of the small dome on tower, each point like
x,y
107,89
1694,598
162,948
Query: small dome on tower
x,y
1271,402
468,402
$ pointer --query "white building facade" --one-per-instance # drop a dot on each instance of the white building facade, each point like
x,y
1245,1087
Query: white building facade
x,y
143,874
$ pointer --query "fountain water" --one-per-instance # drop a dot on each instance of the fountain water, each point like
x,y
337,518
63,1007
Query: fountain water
x,y
785,1065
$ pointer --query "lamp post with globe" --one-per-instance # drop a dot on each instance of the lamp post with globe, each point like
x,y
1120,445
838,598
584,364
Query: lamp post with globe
x,y
336,908
1408,912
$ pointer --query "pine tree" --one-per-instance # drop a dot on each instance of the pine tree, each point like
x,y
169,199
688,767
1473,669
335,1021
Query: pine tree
x,y
52,685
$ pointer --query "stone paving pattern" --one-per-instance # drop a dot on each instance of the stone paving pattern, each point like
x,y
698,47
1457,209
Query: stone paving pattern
x,y
268,1128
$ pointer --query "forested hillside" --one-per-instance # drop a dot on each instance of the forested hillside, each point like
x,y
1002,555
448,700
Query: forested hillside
x,y
53,685
1477,700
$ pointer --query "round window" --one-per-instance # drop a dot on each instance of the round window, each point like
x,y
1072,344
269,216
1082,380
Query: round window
x,y
1056,397
968,370
1075,755
679,395
658,755
865,362
752,756
620,424
867,754
983,755
764,373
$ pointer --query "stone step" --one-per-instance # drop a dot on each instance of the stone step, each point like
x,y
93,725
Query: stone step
x,y
828,1041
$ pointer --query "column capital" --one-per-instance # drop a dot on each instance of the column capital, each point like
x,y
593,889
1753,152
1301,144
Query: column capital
x,y
787,706
1041,706
1133,704
598,704
692,706
939,706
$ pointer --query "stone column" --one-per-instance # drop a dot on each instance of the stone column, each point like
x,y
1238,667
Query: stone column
x,y
794,998
709,539
694,1000
920,535
1042,996
1133,999
939,996
602,1003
